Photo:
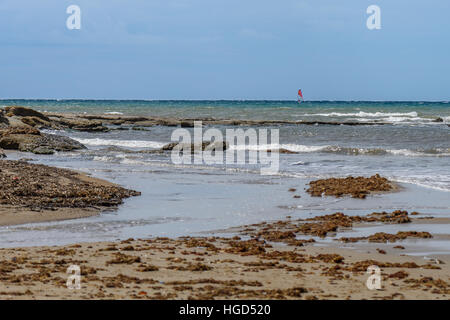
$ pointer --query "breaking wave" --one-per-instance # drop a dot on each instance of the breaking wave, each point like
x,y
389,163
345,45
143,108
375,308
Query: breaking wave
x,y
120,143
366,114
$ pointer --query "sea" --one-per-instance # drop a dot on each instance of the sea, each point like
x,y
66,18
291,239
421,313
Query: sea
x,y
407,142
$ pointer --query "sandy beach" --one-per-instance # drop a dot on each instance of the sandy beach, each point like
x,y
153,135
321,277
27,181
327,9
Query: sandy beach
x,y
214,268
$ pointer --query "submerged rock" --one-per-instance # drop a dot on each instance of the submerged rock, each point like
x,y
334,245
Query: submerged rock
x,y
206,146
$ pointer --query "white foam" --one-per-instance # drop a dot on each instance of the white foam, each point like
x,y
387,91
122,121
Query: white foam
x,y
435,185
121,143
114,112
291,147
412,153
102,159
366,114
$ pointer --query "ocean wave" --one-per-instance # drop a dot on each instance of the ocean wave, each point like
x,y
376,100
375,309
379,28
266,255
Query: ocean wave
x,y
437,152
430,183
291,147
366,114
434,152
114,112
121,143
298,148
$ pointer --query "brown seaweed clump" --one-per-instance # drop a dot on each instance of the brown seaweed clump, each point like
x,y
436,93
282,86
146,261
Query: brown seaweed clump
x,y
358,187
383,237
42,187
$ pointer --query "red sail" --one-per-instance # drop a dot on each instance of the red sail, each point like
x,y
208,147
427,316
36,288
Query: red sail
x,y
300,93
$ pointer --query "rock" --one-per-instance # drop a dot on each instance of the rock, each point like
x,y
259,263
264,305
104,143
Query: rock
x,y
28,139
282,150
36,122
2,154
82,125
168,122
139,129
187,124
90,128
206,146
439,119
60,143
24,112
20,130
43,150
3,121
169,146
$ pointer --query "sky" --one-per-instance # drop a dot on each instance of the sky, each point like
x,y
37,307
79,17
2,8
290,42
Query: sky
x,y
231,49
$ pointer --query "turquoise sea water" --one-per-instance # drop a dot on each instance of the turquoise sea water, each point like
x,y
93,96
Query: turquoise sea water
x,y
243,109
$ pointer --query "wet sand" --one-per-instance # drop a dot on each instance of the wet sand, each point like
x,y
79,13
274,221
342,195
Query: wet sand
x,y
261,261
215,268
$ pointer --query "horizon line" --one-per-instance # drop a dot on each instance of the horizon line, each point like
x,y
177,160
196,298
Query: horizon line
x,y
215,100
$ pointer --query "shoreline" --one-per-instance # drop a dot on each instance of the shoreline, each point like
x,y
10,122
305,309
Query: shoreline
x,y
259,261
216,268
268,260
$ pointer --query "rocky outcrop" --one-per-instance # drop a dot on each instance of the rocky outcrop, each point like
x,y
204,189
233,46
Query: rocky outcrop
x,y
29,139
2,154
24,112
102,122
37,186
19,116
36,122
119,120
80,124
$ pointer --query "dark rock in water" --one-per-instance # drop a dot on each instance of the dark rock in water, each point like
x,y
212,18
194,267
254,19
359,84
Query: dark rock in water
x,y
439,119
282,150
206,146
168,122
28,139
43,150
81,125
139,129
24,112
169,146
2,154
59,143
187,124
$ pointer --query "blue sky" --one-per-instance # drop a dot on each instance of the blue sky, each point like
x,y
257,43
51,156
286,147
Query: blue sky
x,y
211,49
